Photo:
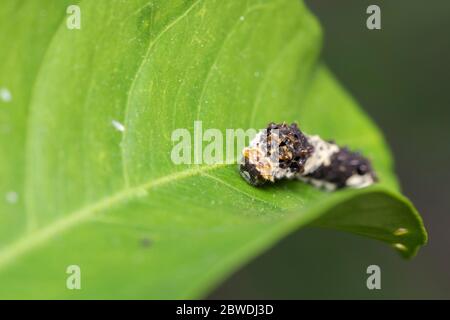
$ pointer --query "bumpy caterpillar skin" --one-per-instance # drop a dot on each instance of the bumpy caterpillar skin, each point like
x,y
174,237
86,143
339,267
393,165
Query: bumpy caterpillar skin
x,y
283,151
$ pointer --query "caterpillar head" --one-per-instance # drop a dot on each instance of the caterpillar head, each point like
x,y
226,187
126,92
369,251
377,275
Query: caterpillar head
x,y
279,151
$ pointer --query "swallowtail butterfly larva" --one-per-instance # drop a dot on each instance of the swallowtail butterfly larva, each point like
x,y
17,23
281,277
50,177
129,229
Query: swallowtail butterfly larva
x,y
282,151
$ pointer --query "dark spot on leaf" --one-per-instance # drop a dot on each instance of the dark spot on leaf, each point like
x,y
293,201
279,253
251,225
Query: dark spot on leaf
x,y
146,242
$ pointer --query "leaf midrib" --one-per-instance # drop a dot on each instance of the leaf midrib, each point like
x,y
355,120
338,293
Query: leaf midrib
x,y
37,238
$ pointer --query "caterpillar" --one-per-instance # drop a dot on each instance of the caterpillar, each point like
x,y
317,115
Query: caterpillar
x,y
282,151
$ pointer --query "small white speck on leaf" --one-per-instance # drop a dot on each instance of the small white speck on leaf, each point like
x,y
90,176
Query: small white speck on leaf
x,y
5,95
12,197
118,126
400,232
242,18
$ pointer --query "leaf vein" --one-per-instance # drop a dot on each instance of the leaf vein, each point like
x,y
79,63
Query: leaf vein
x,y
272,66
134,81
219,53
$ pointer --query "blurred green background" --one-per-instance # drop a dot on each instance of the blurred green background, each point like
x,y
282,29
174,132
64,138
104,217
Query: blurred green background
x,y
400,76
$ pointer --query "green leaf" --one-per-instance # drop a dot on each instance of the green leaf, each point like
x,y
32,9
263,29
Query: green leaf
x,y
80,192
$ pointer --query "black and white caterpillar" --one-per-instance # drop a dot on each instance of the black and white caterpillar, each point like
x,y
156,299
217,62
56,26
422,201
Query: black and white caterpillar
x,y
282,151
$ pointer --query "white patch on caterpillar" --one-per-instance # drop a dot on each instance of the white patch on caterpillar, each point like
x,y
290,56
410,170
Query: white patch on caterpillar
x,y
329,186
257,140
359,181
256,154
321,184
322,154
